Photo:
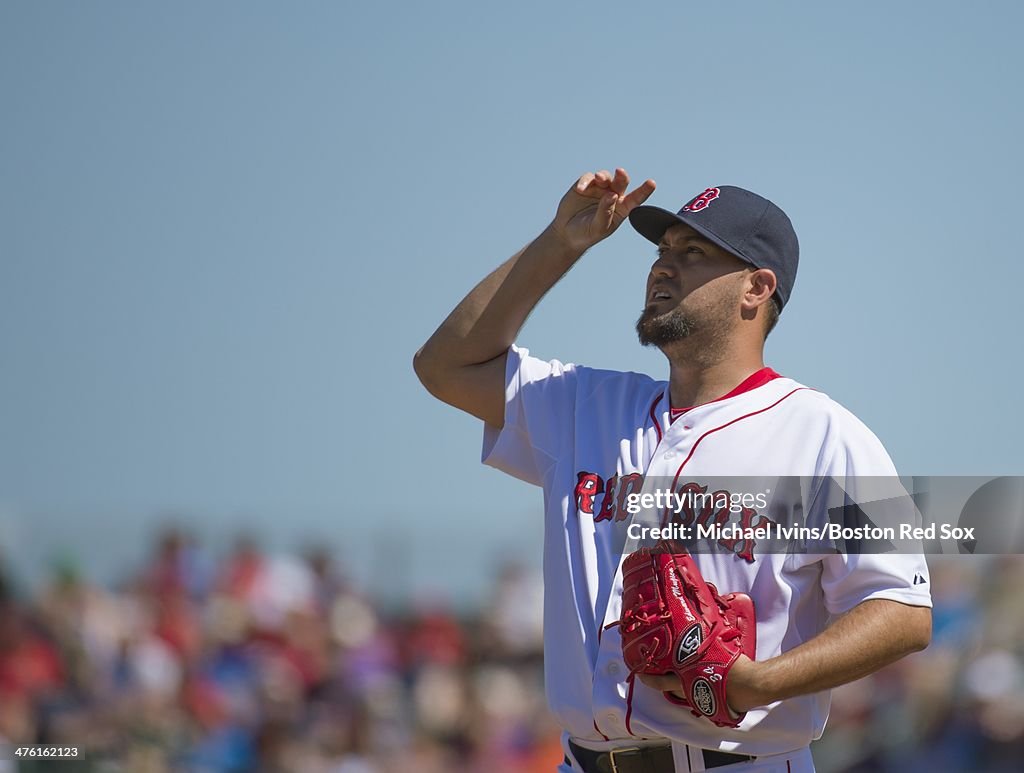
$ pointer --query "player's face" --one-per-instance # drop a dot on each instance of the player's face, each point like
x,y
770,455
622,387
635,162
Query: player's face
x,y
694,287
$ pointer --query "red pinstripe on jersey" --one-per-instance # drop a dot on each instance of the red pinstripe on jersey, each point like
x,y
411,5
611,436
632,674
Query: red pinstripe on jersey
x,y
654,418
729,424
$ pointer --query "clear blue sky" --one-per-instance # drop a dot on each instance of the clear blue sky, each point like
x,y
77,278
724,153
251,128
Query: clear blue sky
x,y
226,227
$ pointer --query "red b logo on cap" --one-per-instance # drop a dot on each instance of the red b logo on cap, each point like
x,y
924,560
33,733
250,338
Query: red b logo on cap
x,y
702,201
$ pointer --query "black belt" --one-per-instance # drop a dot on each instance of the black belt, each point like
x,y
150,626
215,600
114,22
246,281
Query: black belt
x,y
650,759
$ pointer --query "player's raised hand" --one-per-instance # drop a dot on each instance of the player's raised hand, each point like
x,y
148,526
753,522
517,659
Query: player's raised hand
x,y
595,206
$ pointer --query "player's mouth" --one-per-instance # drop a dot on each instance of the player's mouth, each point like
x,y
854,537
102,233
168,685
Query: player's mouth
x,y
657,296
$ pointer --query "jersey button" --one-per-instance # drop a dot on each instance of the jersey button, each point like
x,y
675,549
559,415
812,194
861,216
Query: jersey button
x,y
613,668
670,454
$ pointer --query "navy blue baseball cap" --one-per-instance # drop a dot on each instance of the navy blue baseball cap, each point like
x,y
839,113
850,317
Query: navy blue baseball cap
x,y
740,222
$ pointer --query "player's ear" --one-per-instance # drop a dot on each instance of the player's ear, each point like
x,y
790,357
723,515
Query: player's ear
x,y
759,288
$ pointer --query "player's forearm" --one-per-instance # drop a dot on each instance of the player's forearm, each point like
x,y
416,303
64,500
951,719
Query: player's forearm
x,y
873,634
487,320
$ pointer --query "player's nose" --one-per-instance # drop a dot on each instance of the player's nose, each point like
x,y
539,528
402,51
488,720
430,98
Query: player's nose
x,y
661,267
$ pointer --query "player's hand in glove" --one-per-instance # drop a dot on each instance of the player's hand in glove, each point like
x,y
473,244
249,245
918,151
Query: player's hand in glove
x,y
595,206
673,622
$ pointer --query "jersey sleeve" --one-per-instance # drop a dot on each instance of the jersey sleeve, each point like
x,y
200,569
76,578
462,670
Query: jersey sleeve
x,y
859,468
540,398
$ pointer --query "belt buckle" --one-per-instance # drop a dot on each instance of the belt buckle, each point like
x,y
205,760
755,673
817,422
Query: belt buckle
x,y
626,750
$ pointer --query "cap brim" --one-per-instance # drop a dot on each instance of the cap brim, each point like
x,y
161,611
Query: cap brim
x,y
652,222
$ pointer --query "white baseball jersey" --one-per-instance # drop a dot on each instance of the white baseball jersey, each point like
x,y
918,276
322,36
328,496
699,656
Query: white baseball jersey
x,y
589,438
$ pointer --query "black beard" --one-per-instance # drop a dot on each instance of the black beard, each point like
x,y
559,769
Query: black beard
x,y
661,329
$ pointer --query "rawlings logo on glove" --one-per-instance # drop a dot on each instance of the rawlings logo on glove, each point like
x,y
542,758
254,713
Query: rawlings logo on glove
x,y
673,622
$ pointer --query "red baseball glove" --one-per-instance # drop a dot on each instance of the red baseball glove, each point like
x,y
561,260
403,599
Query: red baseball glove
x,y
673,622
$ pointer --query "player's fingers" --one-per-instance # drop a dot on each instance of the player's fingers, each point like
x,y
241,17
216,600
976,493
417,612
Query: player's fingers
x,y
590,187
603,178
639,195
584,182
620,182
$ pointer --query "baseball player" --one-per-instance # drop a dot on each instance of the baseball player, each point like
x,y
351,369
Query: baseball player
x,y
724,270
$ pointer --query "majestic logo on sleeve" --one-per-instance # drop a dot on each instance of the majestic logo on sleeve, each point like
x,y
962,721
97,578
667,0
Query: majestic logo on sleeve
x,y
702,201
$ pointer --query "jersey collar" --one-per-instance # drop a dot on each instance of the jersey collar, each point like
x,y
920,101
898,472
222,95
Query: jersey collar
x,y
753,381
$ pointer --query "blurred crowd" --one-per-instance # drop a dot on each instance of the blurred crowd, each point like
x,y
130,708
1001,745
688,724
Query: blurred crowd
x,y
258,662
270,663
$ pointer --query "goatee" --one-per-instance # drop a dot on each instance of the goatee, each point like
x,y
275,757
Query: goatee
x,y
660,329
